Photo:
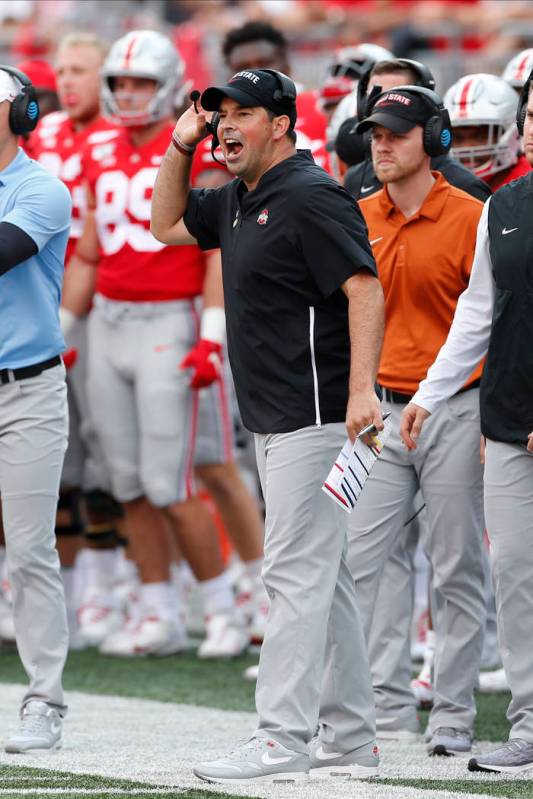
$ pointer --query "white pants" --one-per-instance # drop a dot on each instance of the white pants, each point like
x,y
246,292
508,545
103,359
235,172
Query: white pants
x,y
33,440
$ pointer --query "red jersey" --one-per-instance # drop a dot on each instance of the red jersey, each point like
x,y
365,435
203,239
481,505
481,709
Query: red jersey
x,y
58,147
521,167
311,126
133,265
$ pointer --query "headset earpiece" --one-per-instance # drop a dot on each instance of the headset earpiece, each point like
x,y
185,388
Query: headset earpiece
x,y
24,109
521,109
212,127
437,136
286,93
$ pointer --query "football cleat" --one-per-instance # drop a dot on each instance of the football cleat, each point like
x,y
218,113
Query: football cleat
x,y
493,682
226,637
150,635
97,621
424,693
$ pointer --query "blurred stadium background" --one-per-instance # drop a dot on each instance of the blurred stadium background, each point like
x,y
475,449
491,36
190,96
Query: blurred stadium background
x,y
453,37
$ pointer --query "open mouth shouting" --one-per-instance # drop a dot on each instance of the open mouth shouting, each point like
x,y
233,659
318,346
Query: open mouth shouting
x,y
232,149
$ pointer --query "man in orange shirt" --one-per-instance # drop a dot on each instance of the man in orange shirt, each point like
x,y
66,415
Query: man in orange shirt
x,y
423,233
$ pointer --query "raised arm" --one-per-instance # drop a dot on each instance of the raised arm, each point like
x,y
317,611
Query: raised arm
x,y
172,186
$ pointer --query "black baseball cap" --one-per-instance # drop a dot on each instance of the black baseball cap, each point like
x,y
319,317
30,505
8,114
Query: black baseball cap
x,y
398,110
252,88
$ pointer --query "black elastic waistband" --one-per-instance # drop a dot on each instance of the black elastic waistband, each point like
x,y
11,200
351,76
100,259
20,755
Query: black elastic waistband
x,y
403,399
10,375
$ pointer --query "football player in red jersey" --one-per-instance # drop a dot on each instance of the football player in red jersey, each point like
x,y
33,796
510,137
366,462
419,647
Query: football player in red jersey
x,y
482,110
259,45
57,144
143,325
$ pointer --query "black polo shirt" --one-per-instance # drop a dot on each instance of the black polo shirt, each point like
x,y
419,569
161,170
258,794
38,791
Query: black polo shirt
x,y
287,247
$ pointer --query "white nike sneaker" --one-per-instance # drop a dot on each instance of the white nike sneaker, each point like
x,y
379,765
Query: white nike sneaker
x,y
358,764
258,760
226,637
40,728
493,682
150,635
97,620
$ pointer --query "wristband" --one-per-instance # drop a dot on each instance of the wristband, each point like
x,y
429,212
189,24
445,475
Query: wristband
x,y
67,320
213,325
181,147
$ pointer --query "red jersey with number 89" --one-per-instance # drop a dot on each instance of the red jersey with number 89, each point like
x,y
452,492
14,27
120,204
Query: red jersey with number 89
x,y
57,145
134,266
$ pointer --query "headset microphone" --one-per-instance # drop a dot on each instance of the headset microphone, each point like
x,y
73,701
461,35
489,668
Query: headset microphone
x,y
195,96
211,126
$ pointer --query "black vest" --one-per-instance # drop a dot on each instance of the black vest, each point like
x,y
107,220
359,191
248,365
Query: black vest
x,y
507,383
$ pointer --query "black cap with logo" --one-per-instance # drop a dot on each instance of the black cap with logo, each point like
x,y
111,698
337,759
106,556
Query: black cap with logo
x,y
256,87
397,110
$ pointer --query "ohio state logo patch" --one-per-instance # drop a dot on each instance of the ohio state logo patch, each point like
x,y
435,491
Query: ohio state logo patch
x,y
262,219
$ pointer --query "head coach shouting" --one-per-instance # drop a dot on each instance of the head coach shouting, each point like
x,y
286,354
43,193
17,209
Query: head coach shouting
x,y
423,233
35,210
304,315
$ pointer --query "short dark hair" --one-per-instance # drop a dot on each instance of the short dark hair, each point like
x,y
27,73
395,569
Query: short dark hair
x,y
394,66
291,133
253,32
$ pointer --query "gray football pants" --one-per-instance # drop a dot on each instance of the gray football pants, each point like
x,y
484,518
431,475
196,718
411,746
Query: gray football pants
x,y
389,636
85,466
446,468
313,666
509,514
33,440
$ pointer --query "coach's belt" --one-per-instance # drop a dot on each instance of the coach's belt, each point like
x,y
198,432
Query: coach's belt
x,y
403,399
10,375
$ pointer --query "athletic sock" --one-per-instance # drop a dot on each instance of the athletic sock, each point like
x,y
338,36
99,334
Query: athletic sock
x,y
99,574
217,595
253,569
160,599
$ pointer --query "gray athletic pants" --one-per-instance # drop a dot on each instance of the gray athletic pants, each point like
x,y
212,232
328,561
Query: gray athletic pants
x,y
313,666
446,468
389,636
509,514
33,440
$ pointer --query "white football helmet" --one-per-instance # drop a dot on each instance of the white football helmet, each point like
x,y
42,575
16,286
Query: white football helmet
x,y
351,61
484,99
517,70
142,54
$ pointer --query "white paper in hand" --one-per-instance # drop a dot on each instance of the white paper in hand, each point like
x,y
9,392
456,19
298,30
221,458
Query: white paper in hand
x,y
350,471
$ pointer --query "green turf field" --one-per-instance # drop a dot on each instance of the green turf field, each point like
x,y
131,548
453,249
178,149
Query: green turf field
x,y
17,781
187,681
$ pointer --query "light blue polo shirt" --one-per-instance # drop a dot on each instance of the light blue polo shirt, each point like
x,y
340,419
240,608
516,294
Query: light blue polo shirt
x,y
30,293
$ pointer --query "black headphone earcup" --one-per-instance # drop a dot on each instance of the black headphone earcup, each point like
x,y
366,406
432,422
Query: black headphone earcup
x,y
24,112
521,118
437,136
